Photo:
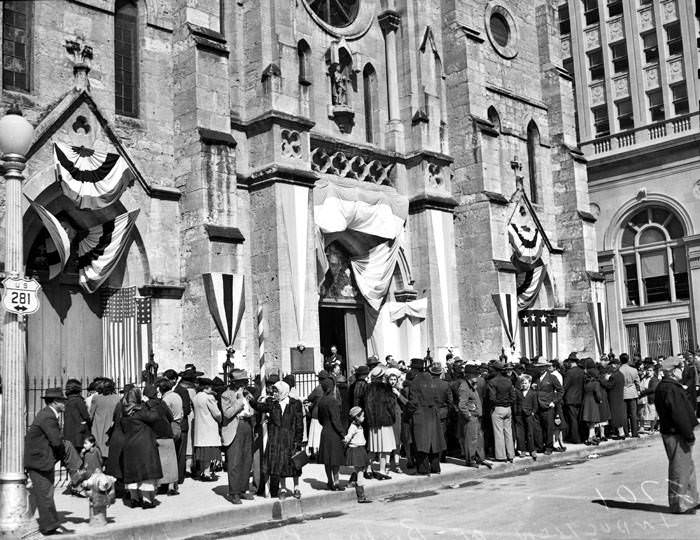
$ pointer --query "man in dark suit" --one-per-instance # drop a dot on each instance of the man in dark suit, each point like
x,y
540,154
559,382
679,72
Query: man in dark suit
x,y
43,447
573,398
549,394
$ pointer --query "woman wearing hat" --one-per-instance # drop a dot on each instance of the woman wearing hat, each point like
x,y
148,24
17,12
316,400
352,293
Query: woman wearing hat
x,y
330,451
207,441
380,411
134,457
102,410
76,417
285,434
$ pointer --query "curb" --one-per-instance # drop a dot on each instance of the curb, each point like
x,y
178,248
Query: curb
x,y
245,516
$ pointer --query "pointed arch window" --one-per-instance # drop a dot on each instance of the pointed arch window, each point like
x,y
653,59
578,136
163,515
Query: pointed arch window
x,y
304,56
371,98
533,143
16,41
126,58
654,260
494,118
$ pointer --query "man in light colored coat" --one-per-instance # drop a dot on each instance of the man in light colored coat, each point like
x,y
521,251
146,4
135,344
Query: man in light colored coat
x,y
237,436
630,394
207,441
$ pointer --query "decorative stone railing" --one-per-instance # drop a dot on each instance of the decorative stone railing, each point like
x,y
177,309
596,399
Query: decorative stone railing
x,y
672,128
354,167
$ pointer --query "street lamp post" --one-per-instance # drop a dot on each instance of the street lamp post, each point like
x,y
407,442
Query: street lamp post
x,y
15,138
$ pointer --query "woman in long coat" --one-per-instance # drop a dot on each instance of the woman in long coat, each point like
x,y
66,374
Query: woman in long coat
x,y
614,383
331,451
285,432
102,409
76,417
592,397
424,404
163,431
139,463
314,425
380,414
207,441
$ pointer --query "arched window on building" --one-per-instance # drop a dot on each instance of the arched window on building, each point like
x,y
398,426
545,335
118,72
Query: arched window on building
x,y
304,55
371,98
126,58
654,261
533,143
16,45
494,118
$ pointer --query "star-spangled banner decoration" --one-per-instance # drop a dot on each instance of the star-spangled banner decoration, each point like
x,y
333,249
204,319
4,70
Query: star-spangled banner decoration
x,y
539,318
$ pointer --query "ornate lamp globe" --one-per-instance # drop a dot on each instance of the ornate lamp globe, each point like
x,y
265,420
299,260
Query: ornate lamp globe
x,y
15,133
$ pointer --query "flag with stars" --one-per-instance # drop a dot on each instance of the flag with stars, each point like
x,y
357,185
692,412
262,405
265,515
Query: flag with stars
x,y
126,333
538,336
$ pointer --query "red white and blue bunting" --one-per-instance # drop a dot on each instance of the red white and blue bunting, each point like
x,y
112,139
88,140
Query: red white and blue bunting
x,y
91,179
529,287
226,299
101,249
58,244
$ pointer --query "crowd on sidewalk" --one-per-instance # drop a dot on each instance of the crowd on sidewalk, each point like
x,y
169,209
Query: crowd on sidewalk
x,y
261,432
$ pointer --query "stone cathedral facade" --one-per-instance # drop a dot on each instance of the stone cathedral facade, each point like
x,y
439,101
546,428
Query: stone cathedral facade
x,y
358,162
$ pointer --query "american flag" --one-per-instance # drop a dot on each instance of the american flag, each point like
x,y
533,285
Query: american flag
x,y
126,333
538,336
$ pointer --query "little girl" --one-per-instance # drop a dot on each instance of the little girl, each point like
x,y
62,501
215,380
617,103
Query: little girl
x,y
355,453
92,460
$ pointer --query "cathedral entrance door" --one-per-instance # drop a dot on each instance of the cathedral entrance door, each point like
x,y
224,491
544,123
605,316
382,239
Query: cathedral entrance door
x,y
343,325
342,310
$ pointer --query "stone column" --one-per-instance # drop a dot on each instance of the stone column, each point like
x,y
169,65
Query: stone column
x,y
389,21
13,494
693,254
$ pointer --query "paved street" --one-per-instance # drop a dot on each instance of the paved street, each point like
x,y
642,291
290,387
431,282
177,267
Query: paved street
x,y
616,496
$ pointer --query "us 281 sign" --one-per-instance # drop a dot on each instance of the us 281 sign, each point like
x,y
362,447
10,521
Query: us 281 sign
x,y
21,295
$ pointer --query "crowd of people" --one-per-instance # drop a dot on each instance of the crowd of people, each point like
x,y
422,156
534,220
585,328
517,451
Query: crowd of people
x,y
262,432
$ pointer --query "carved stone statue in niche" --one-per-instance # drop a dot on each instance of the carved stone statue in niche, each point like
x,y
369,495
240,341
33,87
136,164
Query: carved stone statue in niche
x,y
339,86
339,283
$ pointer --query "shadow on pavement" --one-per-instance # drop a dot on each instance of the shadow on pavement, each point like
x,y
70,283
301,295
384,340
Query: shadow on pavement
x,y
642,507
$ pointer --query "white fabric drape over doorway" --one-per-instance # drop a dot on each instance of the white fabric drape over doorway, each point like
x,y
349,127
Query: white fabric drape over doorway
x,y
372,218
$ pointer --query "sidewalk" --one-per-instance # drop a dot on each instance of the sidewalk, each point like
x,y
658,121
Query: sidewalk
x,y
201,507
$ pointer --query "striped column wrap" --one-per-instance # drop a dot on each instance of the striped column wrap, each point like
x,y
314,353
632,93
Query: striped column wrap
x,y
261,342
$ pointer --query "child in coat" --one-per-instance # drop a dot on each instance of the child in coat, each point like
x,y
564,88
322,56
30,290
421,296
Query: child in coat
x,y
355,453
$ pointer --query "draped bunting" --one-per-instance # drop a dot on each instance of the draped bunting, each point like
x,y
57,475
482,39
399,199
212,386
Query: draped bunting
x,y
524,234
295,212
533,278
437,220
539,334
596,312
91,179
366,213
417,309
361,207
373,271
226,300
102,247
58,244
506,306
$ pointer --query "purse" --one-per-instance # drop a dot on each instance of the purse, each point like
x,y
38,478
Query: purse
x,y
300,458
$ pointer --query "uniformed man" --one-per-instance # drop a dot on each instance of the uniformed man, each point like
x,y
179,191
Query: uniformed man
x,y
677,417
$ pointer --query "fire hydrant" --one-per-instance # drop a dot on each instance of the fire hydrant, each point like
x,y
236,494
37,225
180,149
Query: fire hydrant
x,y
101,494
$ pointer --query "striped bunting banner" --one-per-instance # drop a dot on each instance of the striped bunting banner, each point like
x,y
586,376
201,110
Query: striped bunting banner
x,y
226,300
91,179
530,286
597,315
58,244
507,309
102,248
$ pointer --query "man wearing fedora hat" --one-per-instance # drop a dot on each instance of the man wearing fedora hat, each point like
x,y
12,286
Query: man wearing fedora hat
x,y
43,447
237,436
549,394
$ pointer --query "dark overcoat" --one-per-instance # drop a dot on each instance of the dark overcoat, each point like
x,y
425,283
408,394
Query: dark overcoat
x,y
615,387
331,451
592,398
133,451
676,412
285,431
426,398
573,386
43,445
76,421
